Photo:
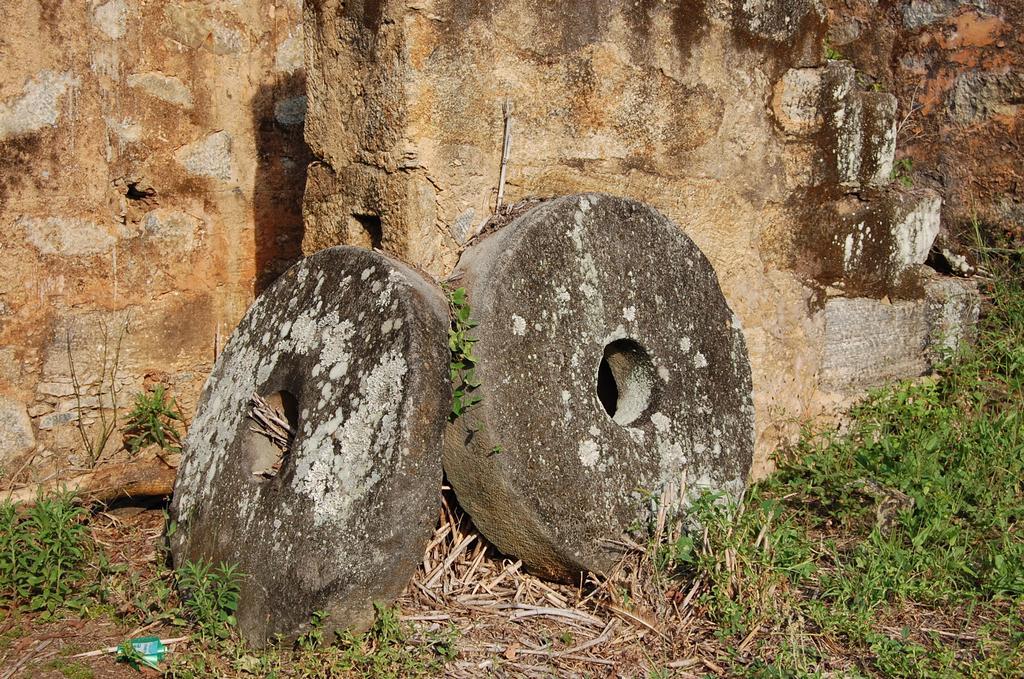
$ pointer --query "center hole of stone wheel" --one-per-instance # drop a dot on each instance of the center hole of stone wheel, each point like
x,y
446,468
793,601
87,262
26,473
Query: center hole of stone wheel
x,y
273,421
625,381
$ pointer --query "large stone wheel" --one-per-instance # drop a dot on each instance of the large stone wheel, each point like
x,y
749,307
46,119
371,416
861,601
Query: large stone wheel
x,y
351,347
612,370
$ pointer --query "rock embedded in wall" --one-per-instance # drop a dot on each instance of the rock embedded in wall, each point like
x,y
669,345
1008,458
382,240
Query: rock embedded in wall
x,y
291,111
68,236
611,370
16,436
165,87
193,25
172,231
38,106
351,348
210,157
111,18
977,95
289,56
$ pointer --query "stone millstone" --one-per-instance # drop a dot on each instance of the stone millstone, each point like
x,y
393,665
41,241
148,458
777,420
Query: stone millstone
x,y
351,345
611,368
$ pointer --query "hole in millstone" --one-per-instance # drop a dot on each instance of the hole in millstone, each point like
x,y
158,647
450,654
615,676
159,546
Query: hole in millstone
x,y
625,381
273,421
607,390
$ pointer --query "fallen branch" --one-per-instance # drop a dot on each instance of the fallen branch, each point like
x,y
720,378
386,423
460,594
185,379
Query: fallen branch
x,y
137,479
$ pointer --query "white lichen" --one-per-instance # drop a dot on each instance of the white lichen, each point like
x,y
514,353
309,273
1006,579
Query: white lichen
x,y
589,453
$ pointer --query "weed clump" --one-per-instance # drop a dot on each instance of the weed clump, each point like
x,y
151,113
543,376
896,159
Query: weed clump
x,y
210,596
463,363
153,421
45,556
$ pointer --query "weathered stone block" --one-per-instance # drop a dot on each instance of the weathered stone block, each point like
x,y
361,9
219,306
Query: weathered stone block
x,y
878,144
918,13
844,123
796,102
869,342
610,365
870,242
953,306
352,348
977,95
856,128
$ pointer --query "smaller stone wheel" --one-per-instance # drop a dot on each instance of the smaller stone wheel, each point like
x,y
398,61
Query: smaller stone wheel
x,y
350,347
611,370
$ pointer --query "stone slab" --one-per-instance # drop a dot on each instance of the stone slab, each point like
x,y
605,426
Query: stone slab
x,y
869,342
351,345
611,368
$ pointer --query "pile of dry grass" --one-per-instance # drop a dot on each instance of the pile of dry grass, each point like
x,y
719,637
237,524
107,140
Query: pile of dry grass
x,y
511,621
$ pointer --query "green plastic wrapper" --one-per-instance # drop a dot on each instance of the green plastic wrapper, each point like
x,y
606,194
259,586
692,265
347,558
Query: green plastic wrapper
x,y
147,651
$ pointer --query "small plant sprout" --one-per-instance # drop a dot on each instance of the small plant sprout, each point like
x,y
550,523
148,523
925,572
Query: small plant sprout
x,y
831,53
153,422
902,172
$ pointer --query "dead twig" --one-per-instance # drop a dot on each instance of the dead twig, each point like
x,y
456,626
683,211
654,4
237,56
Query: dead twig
x,y
270,422
506,150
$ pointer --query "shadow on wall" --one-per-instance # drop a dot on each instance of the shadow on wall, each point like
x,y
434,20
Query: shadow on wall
x,y
279,110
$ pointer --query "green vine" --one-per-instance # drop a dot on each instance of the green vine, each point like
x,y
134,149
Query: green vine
x,y
463,363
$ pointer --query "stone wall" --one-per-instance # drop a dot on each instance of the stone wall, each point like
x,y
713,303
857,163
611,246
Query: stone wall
x,y
152,166
957,69
151,171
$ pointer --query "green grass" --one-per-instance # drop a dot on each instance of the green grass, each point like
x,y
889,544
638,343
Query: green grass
x,y
821,558
71,669
390,649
